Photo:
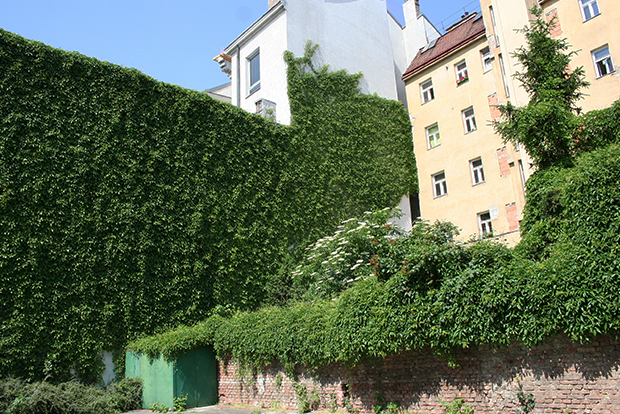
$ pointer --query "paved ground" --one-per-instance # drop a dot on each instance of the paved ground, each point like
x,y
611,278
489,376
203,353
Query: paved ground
x,y
217,409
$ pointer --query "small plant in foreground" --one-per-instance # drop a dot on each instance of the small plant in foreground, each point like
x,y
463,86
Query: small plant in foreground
x,y
385,407
457,406
526,400
158,407
302,398
278,382
332,404
180,404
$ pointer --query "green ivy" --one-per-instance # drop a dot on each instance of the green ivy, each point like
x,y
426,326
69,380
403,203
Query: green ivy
x,y
424,289
130,206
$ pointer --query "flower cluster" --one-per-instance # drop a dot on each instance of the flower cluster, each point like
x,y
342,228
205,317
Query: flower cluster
x,y
335,261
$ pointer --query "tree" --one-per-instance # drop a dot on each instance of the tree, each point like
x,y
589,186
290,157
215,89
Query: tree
x,y
546,125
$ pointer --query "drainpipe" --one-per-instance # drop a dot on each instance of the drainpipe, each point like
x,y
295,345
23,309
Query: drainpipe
x,y
238,76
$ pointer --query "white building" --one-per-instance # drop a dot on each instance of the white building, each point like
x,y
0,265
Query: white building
x,y
355,35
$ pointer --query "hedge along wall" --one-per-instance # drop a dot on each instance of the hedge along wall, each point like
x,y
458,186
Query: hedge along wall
x,y
128,206
561,377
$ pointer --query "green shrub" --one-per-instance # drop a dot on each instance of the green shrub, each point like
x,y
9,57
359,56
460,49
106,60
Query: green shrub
x,y
18,397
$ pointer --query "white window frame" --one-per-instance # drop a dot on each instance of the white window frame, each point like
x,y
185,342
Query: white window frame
x,y
485,225
487,59
469,120
495,32
504,77
440,185
603,61
252,67
460,69
477,171
433,139
589,9
427,92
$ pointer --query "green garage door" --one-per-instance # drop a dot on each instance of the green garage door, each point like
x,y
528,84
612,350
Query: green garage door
x,y
192,374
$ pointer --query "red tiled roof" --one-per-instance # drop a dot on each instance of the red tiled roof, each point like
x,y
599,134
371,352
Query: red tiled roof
x,y
456,37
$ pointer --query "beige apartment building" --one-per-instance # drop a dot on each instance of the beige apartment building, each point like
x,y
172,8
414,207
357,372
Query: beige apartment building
x,y
591,28
467,175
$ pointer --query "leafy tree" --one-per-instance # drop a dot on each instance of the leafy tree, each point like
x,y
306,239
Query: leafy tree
x,y
546,125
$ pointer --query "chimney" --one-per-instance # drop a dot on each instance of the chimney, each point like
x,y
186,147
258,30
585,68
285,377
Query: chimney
x,y
271,3
417,6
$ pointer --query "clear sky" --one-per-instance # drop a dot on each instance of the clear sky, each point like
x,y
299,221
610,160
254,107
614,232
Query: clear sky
x,y
173,41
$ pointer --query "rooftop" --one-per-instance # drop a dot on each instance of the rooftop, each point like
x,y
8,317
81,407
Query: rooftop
x,y
457,36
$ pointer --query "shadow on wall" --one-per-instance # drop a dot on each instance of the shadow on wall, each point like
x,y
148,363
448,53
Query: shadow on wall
x,y
486,379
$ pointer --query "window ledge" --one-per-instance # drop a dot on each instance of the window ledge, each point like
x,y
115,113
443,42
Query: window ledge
x,y
253,90
591,18
615,72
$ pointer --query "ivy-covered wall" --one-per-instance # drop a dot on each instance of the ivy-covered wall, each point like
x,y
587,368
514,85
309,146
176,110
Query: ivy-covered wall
x,y
128,206
424,290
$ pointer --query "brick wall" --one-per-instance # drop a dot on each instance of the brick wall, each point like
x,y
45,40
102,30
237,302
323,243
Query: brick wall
x,y
504,162
513,216
556,29
493,102
561,376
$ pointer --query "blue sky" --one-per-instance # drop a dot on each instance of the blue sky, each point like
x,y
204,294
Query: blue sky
x,y
173,41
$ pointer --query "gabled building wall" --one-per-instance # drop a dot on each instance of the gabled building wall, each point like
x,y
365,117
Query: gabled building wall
x,y
501,193
268,37
359,36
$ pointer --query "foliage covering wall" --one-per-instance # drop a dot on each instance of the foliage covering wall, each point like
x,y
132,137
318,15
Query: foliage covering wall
x,y
426,290
129,206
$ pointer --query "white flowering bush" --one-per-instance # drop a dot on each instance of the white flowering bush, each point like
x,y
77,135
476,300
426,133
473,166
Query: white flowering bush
x,y
350,254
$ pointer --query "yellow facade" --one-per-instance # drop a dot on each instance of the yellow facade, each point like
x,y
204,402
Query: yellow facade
x,y
593,33
500,194
586,32
587,36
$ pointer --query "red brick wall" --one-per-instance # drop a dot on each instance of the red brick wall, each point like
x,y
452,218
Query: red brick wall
x,y
561,376
556,29
502,158
513,216
493,102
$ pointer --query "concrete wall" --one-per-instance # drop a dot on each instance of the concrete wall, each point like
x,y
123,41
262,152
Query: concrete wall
x,y
356,35
270,42
560,374
352,35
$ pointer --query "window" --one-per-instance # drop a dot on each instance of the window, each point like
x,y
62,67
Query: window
x,y
504,79
426,89
484,224
602,61
432,136
461,72
589,8
254,72
440,188
487,59
477,173
495,32
469,121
